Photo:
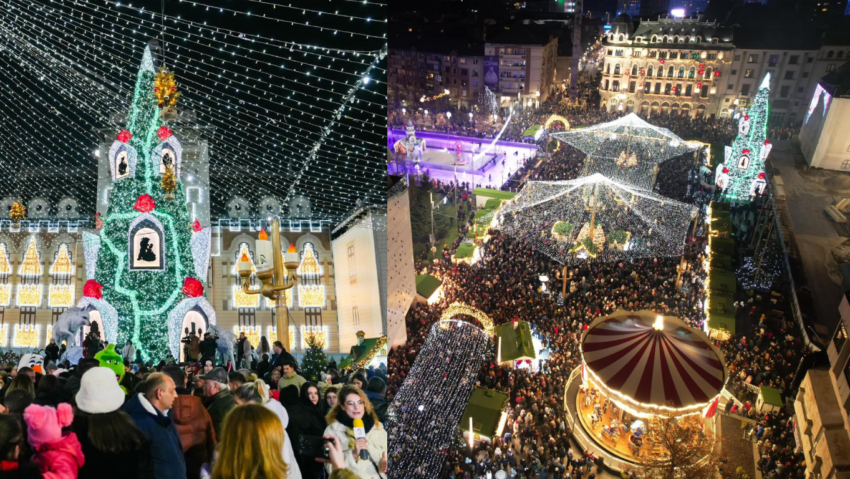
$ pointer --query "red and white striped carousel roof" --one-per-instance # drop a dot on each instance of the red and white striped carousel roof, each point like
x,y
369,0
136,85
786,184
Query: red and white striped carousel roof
x,y
675,367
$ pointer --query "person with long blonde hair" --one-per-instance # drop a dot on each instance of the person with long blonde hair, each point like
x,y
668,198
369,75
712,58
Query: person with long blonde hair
x,y
251,445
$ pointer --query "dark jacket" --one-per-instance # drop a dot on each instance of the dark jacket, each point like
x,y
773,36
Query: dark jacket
x,y
304,419
196,431
51,353
218,406
208,348
100,464
160,430
278,360
379,404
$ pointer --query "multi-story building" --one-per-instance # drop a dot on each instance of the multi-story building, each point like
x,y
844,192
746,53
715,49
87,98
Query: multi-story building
x,y
822,425
667,66
823,138
435,67
520,66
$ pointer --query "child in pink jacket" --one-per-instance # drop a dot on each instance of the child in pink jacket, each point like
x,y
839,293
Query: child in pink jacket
x,y
57,456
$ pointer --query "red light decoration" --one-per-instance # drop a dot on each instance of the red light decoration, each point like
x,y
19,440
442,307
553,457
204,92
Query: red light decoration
x,y
761,175
726,170
163,133
662,62
746,117
192,287
717,74
699,85
145,204
746,151
93,289
124,136
196,226
702,66
643,72
766,142
674,88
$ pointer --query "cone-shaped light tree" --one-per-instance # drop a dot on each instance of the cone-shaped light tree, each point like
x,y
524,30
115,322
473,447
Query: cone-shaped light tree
x,y
745,160
145,256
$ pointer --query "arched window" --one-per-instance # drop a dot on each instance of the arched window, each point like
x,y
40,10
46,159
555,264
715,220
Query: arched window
x,y
649,71
676,39
666,38
147,244
681,39
681,72
708,72
655,39
607,68
621,37
670,71
829,54
617,69
697,39
634,69
692,73
840,55
615,85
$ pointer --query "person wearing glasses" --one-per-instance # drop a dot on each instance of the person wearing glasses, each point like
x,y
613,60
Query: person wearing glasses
x,y
353,404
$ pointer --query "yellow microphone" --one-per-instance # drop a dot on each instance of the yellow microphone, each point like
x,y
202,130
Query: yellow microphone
x,y
360,433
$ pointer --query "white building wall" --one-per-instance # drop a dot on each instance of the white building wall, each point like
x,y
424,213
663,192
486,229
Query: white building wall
x,y
401,289
357,284
832,150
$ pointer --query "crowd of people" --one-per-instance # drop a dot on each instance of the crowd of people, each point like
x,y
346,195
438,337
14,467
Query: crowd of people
x,y
505,284
109,417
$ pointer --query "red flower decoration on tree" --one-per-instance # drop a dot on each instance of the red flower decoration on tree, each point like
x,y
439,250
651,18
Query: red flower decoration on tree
x,y
145,204
192,287
93,289
746,151
761,175
163,133
726,170
766,142
124,136
746,117
196,226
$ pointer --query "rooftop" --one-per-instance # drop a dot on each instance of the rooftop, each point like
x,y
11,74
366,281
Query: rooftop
x,y
837,83
519,35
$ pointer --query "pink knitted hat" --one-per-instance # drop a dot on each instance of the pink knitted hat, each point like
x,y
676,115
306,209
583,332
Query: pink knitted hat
x,y
44,424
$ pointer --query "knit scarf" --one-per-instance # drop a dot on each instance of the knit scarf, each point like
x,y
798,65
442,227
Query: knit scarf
x,y
345,420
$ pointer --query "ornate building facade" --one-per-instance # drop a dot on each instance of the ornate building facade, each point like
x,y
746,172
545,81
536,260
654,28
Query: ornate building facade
x,y
667,66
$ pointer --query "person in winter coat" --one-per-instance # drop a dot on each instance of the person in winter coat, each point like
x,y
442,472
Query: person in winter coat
x,y
353,404
217,397
251,445
51,352
305,418
129,351
259,393
264,347
290,377
208,348
112,443
57,456
147,411
376,390
12,465
193,423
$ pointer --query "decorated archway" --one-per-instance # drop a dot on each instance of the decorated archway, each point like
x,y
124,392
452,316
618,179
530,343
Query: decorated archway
x,y
555,118
457,308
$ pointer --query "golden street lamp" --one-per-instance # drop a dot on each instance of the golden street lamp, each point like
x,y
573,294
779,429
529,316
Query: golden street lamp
x,y
274,275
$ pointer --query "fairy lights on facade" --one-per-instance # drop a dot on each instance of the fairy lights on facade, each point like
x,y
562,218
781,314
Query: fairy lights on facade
x,y
309,264
29,295
319,332
26,336
4,334
311,296
271,334
60,295
253,333
31,264
62,265
5,268
458,308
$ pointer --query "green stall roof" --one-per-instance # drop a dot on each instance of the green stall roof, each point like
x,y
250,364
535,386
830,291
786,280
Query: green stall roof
x,y
491,193
721,221
485,407
516,343
770,396
465,251
426,285
721,312
493,204
723,246
721,261
722,281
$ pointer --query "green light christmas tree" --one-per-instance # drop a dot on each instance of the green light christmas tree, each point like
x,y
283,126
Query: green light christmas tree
x,y
145,261
315,361
741,176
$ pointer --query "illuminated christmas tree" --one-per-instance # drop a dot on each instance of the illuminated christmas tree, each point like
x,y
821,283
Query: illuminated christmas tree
x,y
745,160
147,261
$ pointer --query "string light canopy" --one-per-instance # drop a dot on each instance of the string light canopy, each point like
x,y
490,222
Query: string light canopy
x,y
433,397
627,149
596,217
288,113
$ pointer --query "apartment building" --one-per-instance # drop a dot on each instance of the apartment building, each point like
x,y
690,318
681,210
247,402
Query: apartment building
x,y
821,409
667,66
520,66
435,67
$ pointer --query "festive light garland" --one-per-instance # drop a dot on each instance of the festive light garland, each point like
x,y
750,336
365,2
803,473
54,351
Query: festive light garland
x,y
62,265
319,332
26,335
311,296
60,295
630,136
44,12
31,264
459,308
29,295
91,247
4,334
750,148
5,294
309,264
200,245
5,267
652,225
433,397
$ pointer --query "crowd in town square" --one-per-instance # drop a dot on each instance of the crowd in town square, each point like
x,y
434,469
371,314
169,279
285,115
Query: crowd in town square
x,y
255,417
505,284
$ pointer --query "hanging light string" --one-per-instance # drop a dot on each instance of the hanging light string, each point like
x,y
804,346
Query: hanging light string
x,y
118,109
319,12
248,14
266,110
141,24
318,144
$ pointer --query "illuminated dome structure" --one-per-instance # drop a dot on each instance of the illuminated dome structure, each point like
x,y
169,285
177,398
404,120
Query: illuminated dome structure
x,y
637,366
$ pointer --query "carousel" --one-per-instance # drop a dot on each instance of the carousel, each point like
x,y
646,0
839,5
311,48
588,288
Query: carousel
x,y
637,367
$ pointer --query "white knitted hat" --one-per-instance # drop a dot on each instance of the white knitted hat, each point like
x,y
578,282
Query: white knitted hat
x,y
99,392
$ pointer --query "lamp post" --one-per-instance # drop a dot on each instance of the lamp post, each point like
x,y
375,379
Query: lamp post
x,y
276,280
